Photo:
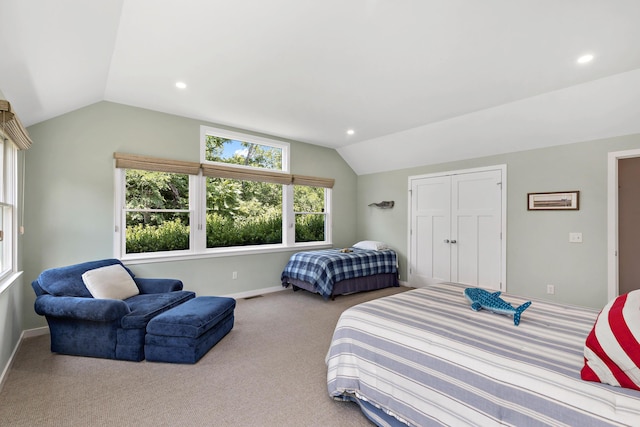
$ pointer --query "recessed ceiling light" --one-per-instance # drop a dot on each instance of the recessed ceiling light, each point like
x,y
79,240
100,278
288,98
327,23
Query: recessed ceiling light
x,y
181,85
585,58
351,132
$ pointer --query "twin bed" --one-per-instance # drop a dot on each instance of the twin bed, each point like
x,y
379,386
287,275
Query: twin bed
x,y
423,357
334,272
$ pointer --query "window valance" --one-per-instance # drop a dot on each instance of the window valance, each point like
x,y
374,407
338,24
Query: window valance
x,y
221,171
134,161
313,181
12,127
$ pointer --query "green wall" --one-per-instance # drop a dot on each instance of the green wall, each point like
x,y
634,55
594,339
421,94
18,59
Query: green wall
x,y
70,196
538,248
69,206
11,321
12,306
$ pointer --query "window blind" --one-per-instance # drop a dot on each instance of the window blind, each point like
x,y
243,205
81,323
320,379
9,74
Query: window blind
x,y
12,127
313,181
134,161
230,172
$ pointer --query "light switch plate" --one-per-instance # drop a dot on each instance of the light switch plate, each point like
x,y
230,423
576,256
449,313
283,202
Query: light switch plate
x,y
575,237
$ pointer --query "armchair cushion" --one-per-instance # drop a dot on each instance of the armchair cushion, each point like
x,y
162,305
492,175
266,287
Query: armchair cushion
x,y
144,307
67,281
110,282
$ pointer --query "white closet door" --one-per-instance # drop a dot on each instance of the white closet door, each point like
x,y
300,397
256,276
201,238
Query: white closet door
x,y
456,225
476,224
430,259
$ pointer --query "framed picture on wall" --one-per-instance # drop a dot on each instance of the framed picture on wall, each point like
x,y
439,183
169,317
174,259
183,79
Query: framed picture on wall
x,y
567,200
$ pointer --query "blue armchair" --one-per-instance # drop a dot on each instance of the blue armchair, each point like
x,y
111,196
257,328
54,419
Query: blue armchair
x,y
109,328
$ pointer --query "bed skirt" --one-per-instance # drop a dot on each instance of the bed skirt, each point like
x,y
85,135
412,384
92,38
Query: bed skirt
x,y
349,286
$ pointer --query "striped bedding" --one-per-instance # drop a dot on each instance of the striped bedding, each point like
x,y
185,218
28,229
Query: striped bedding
x,y
324,268
423,357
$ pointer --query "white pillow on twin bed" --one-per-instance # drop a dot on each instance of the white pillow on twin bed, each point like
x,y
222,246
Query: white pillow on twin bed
x,y
372,245
110,282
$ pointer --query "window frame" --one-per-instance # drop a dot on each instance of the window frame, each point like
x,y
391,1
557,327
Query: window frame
x,y
8,203
292,219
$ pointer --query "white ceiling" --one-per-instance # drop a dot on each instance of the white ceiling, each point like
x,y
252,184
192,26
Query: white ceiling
x,y
420,81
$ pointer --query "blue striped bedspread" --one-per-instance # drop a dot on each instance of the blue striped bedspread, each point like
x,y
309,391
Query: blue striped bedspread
x,y
423,357
324,268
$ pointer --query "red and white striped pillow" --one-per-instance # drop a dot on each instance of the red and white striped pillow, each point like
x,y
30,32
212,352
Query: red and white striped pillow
x,y
612,349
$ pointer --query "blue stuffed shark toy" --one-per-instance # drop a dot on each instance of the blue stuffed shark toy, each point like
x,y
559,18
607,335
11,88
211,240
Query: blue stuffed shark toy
x,y
479,299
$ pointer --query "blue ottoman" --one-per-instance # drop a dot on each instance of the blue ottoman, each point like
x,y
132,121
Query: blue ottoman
x,y
186,332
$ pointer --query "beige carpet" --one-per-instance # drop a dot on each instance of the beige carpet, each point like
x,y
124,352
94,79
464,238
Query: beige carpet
x,y
269,371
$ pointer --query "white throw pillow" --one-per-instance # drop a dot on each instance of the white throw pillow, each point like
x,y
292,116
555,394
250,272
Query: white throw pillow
x,y
110,282
372,245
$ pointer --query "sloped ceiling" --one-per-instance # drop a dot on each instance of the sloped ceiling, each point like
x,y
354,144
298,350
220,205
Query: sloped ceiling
x,y
419,81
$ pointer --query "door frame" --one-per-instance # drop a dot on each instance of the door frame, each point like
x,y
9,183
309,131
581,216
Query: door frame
x,y
612,219
503,231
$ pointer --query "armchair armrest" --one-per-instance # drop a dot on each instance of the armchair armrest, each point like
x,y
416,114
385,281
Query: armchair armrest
x,y
97,310
157,286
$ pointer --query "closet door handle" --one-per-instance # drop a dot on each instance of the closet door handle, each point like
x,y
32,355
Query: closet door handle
x,y
454,241
447,241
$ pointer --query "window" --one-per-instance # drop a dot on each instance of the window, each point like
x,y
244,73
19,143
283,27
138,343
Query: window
x,y
8,192
157,215
245,151
239,198
155,205
309,210
243,213
235,152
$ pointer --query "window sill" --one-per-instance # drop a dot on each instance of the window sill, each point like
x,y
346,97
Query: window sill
x,y
8,280
221,252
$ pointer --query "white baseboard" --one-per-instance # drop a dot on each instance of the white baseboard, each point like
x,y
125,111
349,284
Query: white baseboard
x,y
254,293
35,332
25,334
263,291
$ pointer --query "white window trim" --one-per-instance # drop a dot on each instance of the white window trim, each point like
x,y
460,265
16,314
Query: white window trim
x,y
9,159
239,136
118,208
288,217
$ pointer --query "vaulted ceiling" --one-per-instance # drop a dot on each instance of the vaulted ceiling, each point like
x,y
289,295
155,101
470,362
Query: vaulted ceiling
x,y
418,81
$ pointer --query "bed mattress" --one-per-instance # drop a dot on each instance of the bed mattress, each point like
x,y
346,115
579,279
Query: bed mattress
x,y
423,357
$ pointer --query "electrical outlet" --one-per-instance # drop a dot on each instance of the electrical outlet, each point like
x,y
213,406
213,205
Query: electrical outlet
x,y
551,289
234,275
